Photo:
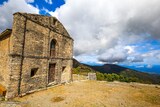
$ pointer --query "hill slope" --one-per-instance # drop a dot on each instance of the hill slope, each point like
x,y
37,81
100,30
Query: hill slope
x,y
111,68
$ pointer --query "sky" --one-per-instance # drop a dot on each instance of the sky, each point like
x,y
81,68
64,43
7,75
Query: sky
x,y
124,32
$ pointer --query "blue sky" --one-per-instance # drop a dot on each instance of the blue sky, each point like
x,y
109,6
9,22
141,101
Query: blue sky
x,y
106,31
42,4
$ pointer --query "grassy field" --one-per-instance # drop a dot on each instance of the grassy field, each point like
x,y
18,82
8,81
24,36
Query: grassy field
x,y
95,94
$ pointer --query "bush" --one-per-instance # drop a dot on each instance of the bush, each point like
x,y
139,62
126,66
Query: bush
x,y
115,77
100,76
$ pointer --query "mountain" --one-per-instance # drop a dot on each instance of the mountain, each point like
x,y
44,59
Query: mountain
x,y
154,69
112,68
109,68
75,63
79,68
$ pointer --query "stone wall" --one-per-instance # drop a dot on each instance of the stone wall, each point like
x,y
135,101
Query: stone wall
x,y
35,57
16,53
4,59
66,73
30,49
48,22
92,76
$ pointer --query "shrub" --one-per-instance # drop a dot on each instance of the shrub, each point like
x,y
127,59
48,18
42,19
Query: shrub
x,y
115,77
100,76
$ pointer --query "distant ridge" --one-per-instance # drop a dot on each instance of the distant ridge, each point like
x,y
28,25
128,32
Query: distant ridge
x,y
112,68
109,68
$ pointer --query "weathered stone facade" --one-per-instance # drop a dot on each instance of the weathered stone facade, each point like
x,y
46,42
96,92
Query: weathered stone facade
x,y
92,76
35,54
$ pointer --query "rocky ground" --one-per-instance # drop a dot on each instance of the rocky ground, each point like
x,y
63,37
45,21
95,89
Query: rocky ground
x,y
92,94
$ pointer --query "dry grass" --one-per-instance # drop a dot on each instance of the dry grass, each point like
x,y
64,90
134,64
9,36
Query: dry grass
x,y
150,95
96,94
57,99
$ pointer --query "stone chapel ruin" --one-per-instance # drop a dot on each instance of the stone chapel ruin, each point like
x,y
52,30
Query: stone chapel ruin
x,y
36,53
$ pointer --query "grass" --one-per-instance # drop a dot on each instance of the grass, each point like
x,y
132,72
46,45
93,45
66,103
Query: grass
x,y
96,94
149,94
153,99
57,99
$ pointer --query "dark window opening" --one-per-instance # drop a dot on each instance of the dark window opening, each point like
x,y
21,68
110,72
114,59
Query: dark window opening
x,y
63,68
4,93
54,21
33,71
53,48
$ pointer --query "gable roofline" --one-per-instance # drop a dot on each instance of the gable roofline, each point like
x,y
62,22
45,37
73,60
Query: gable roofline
x,y
27,15
5,33
22,13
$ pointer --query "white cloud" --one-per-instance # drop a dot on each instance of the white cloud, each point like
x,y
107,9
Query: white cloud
x,y
114,55
49,1
120,54
131,49
135,58
90,59
152,57
154,53
11,6
158,56
149,66
101,26
29,1
102,30
55,14
140,66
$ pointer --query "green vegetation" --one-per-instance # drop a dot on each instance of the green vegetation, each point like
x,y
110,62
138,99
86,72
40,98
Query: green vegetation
x,y
115,77
82,70
112,72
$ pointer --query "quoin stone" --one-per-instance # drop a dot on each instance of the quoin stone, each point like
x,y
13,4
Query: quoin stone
x,y
35,54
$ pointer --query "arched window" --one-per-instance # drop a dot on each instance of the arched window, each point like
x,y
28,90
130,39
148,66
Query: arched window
x,y
53,48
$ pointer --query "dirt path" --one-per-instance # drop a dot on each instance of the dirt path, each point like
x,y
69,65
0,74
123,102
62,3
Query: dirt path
x,y
95,94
